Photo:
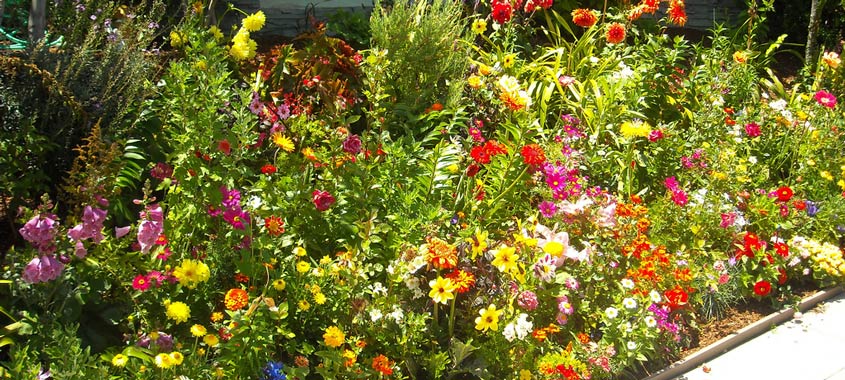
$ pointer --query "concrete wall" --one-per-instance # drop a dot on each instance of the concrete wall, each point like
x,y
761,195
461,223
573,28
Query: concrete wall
x,y
290,17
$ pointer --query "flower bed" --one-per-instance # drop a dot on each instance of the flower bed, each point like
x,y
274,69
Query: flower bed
x,y
454,202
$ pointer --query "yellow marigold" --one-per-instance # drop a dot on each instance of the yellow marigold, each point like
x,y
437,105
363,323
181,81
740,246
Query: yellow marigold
x,y
350,356
254,22
320,298
236,299
474,82
176,39
303,266
176,357
163,361
484,69
636,128
215,32
283,142
279,284
178,311
334,337
198,330
211,340
741,57
216,316
191,272
119,360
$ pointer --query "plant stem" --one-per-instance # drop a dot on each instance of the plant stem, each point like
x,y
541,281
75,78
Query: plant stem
x,y
452,316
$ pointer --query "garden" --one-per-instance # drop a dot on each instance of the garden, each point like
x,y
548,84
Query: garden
x,y
518,189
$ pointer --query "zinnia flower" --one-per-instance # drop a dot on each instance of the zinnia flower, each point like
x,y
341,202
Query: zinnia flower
x,y
615,33
752,130
140,283
236,299
191,272
532,154
762,288
826,99
383,365
462,280
178,311
584,18
283,142
268,169
502,11
488,319
334,337
275,225
322,199
441,254
784,194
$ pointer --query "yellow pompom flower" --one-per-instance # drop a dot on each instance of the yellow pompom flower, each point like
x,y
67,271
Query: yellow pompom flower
x,y
488,319
198,330
636,128
176,39
254,22
303,267
216,33
334,337
474,82
191,272
211,340
178,311
119,360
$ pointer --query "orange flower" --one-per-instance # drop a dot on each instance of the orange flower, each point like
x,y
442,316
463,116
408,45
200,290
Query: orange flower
x,y
383,365
650,6
584,18
615,33
677,12
236,299
275,225
441,255
462,280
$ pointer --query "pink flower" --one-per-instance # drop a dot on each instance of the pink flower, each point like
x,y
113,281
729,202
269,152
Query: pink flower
x,y
79,250
752,130
41,231
527,300
237,217
322,199
352,144
671,183
655,135
148,232
826,99
680,197
141,283
161,171
42,269
547,209
231,198
728,220
120,232
91,227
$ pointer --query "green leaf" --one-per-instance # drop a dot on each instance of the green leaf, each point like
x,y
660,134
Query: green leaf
x,y
461,351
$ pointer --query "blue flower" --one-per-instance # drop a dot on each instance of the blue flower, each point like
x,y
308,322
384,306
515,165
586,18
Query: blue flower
x,y
812,208
273,371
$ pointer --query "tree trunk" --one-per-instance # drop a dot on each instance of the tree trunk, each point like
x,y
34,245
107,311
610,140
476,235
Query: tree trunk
x,y
37,20
811,50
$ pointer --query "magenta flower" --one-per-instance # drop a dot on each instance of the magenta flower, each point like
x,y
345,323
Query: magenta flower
x,y
671,183
141,283
655,135
728,220
826,99
547,209
120,232
352,144
161,171
41,232
91,227
237,217
151,227
680,197
752,130
231,198
42,269
527,300
322,199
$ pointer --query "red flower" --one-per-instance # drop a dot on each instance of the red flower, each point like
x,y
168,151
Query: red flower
x,y
615,33
532,154
463,280
784,194
584,18
782,277
677,12
494,148
268,169
799,205
322,199
479,155
383,365
650,6
782,249
502,11
472,170
676,297
275,225
225,147
762,288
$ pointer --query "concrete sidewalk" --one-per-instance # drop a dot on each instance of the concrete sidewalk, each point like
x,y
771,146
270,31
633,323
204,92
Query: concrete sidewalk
x,y
809,347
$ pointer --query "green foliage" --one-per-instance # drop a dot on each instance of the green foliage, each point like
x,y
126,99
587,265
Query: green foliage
x,y
352,26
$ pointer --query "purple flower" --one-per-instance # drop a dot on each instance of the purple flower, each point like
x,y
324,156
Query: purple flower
x,y
237,217
120,232
42,269
352,144
255,105
231,198
148,233
91,227
547,209
545,268
283,111
812,208
40,231
79,250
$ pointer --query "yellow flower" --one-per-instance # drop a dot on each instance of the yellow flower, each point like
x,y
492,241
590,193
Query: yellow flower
x,y
350,357
279,284
741,57
283,142
489,319
119,360
553,248
334,337
254,22
831,59
474,81
198,330
478,243
191,272
216,33
200,351
176,357
826,175
505,259
524,374
303,266
211,340
320,298
325,260
176,39
216,316
479,26
178,312
442,290
299,251
163,361
304,305
509,60
636,128
484,69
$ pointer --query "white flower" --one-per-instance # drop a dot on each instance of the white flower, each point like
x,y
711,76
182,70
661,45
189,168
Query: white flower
x,y
650,321
627,283
655,296
397,315
254,202
375,315
778,105
523,326
378,288
611,312
629,303
632,346
594,60
509,332
752,159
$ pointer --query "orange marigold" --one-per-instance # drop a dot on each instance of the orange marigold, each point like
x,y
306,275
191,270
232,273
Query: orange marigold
x,y
584,18
236,299
441,254
615,33
650,6
677,12
383,365
462,280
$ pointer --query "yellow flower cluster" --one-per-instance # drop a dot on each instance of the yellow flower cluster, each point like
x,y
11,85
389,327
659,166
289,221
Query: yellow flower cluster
x,y
243,47
191,272
636,128
334,337
825,258
177,311
163,360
